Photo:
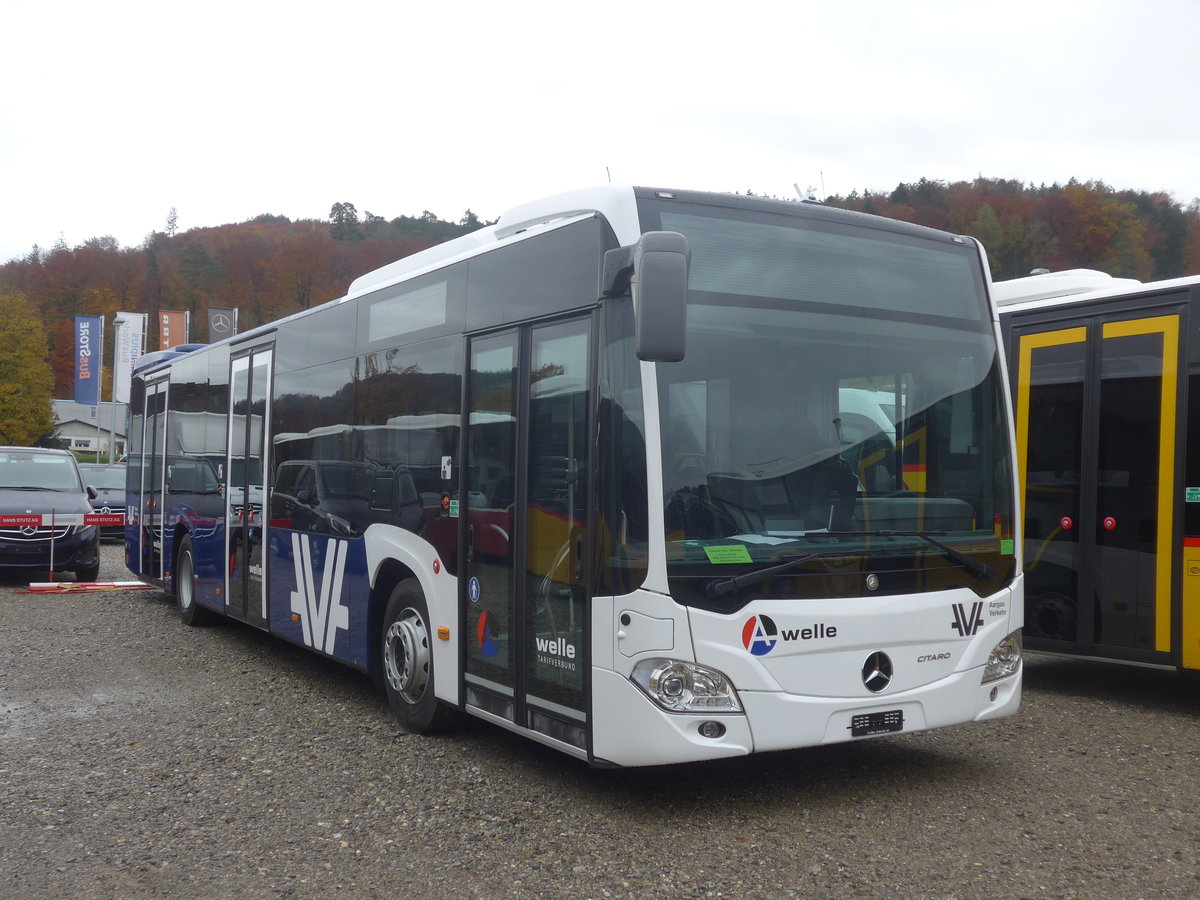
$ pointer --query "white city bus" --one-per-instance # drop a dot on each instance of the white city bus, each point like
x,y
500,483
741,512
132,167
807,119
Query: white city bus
x,y
647,476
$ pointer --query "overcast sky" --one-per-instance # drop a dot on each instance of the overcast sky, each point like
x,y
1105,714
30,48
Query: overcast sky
x,y
114,113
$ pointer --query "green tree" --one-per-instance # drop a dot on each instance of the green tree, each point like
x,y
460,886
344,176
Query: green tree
x,y
26,384
200,271
343,223
374,227
986,229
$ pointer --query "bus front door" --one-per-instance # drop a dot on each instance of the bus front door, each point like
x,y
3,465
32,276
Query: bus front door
x,y
1096,405
524,492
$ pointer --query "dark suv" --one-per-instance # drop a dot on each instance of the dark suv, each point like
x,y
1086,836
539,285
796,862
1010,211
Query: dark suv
x,y
43,501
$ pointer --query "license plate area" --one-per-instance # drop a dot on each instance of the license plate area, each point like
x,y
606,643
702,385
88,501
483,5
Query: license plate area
x,y
867,724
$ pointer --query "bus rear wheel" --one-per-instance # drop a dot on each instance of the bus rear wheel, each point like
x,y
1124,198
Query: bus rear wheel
x,y
408,662
191,612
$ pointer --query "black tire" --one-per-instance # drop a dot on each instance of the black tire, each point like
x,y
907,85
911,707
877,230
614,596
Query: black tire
x,y
92,572
407,662
191,612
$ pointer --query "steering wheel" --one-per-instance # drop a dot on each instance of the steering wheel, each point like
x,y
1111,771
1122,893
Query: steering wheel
x,y
689,511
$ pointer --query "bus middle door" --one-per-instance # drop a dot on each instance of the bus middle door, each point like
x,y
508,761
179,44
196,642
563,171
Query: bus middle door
x,y
153,473
245,468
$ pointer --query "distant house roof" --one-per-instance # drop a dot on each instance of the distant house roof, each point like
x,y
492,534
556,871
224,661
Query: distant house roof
x,y
68,412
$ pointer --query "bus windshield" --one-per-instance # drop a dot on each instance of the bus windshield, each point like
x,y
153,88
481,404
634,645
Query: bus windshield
x,y
840,400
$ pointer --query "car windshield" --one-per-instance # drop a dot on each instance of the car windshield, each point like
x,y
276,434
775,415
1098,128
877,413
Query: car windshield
x,y
38,472
841,395
110,478
347,480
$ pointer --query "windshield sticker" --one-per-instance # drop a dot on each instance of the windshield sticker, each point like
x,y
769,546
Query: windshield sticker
x,y
735,553
771,539
1006,547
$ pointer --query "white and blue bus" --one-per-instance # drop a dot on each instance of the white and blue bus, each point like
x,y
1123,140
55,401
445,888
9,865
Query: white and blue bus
x,y
647,476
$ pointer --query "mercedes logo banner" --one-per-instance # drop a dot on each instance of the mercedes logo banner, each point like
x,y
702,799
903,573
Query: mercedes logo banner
x,y
222,323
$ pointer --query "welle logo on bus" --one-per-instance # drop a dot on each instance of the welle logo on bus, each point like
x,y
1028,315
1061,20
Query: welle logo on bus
x,y
760,634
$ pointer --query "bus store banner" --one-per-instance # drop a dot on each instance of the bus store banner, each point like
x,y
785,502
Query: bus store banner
x,y
89,339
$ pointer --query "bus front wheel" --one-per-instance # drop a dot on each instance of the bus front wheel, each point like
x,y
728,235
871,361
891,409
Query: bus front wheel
x,y
408,662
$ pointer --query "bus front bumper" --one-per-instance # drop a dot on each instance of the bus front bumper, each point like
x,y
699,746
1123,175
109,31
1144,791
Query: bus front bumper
x,y
631,730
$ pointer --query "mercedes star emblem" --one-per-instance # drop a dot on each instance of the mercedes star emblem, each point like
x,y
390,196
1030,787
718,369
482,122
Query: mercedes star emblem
x,y
877,672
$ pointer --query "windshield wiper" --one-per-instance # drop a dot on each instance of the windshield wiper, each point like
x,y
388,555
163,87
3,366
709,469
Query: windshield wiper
x,y
974,567
722,586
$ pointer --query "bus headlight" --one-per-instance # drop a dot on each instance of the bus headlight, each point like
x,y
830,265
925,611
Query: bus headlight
x,y
680,686
1005,658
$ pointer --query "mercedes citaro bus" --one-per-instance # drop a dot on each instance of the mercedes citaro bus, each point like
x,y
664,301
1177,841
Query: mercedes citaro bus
x,y
647,476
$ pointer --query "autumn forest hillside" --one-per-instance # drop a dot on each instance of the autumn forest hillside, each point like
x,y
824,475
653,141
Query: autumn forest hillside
x,y
1131,234
272,266
266,268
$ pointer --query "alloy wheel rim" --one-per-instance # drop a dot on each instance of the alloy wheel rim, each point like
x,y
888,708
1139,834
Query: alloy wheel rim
x,y
406,656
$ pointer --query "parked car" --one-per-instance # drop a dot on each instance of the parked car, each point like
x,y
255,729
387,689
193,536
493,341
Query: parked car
x,y
109,483
336,497
46,485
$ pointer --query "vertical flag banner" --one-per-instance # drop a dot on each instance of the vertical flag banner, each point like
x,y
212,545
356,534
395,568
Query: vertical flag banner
x,y
89,341
222,323
131,330
172,329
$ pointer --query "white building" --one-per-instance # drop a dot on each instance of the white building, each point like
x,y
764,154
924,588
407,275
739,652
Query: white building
x,y
84,427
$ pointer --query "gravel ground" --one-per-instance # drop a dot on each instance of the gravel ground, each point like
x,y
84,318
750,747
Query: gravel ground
x,y
140,758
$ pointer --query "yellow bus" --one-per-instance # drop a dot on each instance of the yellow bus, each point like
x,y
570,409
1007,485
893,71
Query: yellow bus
x,y
1106,388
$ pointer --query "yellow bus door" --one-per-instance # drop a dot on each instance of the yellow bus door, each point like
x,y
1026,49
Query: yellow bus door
x,y
1096,410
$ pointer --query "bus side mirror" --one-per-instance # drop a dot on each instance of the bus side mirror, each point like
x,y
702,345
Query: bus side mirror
x,y
656,270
